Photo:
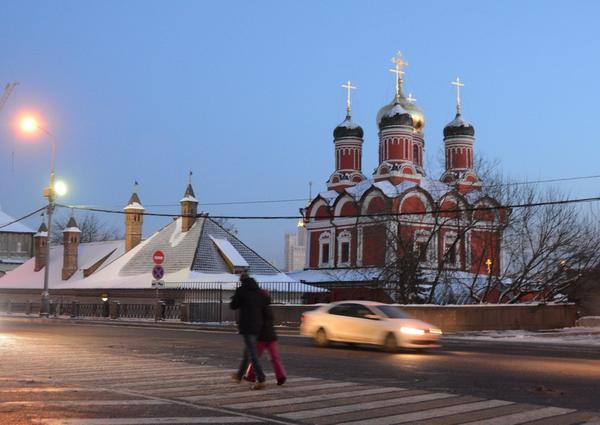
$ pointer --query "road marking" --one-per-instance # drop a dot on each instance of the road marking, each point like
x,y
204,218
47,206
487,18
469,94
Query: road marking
x,y
519,418
149,421
70,403
196,377
298,400
432,413
247,393
327,411
46,390
213,387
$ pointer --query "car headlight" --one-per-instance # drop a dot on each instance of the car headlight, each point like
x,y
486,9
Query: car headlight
x,y
435,331
411,331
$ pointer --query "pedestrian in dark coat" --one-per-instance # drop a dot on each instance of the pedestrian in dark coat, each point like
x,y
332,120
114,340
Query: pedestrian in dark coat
x,y
250,301
267,340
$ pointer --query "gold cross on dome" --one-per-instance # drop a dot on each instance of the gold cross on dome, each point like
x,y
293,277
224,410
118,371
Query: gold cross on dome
x,y
410,98
349,87
458,85
400,64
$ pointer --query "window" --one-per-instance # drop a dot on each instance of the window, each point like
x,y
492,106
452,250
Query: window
x,y
341,310
423,246
325,253
344,248
451,247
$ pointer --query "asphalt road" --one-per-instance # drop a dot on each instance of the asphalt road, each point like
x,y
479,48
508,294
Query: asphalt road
x,y
531,374
540,374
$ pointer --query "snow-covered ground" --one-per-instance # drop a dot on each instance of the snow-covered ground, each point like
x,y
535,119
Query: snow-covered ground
x,y
577,336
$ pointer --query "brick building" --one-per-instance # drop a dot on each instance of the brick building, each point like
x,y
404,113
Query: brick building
x,y
359,222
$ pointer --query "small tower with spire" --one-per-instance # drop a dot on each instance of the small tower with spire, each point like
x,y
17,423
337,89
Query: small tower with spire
x,y
459,138
348,140
40,241
134,219
71,239
189,207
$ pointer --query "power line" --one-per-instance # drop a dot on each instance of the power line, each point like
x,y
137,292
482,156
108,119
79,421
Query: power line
x,y
296,217
22,218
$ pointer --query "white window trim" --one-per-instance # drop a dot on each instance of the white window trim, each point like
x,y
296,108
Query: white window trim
x,y
431,247
449,239
343,237
325,238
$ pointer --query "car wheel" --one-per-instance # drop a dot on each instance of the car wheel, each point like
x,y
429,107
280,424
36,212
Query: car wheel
x,y
390,344
321,338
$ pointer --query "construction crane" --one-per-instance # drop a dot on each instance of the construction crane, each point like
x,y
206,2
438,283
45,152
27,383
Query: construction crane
x,y
7,91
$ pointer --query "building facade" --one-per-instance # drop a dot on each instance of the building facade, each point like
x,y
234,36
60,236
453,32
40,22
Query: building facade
x,y
295,249
399,211
16,243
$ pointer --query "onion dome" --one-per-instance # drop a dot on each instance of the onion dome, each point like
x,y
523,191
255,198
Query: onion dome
x,y
396,116
459,127
348,128
415,112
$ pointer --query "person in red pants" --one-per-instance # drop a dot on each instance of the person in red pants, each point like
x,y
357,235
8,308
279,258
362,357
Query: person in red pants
x,y
267,340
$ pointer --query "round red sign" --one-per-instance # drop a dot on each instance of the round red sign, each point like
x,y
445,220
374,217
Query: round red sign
x,y
158,257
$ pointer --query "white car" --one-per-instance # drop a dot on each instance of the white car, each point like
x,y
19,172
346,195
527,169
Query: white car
x,y
368,322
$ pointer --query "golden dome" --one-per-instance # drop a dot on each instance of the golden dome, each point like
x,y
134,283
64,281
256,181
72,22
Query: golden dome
x,y
415,112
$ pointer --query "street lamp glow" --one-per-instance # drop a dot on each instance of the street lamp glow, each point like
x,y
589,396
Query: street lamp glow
x,y
60,188
29,124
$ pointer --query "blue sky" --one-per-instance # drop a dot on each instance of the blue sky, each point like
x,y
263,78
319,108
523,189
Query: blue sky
x,y
246,94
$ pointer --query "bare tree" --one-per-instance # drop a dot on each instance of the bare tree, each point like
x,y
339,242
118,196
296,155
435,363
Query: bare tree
x,y
92,229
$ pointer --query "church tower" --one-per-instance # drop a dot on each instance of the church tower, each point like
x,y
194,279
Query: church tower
x,y
348,140
396,137
459,138
71,239
189,207
134,219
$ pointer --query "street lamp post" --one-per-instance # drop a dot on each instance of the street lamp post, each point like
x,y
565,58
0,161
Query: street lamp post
x,y
31,125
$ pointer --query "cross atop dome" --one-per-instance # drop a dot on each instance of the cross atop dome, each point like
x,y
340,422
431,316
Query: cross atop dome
x,y
398,70
458,85
349,87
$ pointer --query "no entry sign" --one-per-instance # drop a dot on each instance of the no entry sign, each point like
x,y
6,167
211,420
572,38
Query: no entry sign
x,y
158,257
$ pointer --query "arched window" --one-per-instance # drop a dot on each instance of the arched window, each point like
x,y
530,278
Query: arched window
x,y
451,250
344,244
424,246
325,256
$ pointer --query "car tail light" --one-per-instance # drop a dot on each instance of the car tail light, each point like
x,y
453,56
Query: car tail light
x,y
302,318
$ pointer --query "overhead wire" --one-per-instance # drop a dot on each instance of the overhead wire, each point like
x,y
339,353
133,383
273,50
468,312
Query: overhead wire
x,y
387,214
22,218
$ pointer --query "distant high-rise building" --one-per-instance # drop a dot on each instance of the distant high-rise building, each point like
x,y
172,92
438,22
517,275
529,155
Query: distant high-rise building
x,y
295,249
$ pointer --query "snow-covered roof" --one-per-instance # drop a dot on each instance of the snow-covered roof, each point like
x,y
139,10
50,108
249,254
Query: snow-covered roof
x,y
17,227
348,123
232,256
397,109
89,254
458,122
72,230
134,206
189,198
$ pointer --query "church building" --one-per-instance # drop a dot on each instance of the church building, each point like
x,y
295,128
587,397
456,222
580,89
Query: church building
x,y
366,222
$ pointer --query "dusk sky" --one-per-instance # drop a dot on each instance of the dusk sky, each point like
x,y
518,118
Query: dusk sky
x,y
247,94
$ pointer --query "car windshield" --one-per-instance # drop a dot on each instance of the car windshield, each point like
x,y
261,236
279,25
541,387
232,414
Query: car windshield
x,y
392,312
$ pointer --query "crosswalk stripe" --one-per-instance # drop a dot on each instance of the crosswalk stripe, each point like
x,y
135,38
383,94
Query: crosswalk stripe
x,y
432,413
130,371
196,377
298,400
150,421
211,387
236,395
327,411
519,418
47,390
69,403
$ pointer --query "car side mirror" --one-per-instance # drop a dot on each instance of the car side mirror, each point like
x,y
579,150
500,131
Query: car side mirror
x,y
372,317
